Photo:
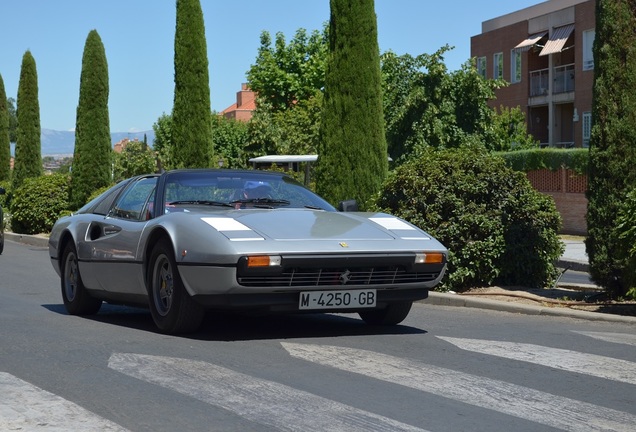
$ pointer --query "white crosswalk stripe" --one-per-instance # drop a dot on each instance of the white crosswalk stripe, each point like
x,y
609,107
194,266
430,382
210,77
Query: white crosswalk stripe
x,y
511,399
25,407
620,338
571,361
252,398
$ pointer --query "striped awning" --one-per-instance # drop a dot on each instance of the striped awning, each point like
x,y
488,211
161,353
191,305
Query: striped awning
x,y
557,40
530,41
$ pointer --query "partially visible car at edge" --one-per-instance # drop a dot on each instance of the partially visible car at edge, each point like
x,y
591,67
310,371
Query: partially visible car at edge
x,y
188,241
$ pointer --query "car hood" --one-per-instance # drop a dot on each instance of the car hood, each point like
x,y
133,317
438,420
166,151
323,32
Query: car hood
x,y
319,225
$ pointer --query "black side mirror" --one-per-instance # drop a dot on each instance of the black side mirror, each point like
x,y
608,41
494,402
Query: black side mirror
x,y
348,206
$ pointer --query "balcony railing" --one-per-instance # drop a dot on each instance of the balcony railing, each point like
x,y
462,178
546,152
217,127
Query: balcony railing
x,y
563,80
539,81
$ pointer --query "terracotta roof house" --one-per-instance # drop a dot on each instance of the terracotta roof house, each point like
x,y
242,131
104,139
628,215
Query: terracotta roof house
x,y
244,106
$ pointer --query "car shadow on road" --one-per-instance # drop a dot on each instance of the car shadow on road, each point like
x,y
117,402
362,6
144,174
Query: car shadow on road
x,y
237,326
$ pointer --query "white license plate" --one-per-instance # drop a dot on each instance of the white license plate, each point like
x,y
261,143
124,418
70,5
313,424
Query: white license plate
x,y
337,299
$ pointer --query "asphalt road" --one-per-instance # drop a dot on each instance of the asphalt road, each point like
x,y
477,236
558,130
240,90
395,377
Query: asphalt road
x,y
444,369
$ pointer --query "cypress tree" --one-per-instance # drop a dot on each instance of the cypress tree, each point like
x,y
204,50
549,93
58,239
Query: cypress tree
x,y
5,144
613,139
92,168
352,156
191,125
28,146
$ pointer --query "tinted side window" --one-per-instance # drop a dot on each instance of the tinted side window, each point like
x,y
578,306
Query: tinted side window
x,y
132,202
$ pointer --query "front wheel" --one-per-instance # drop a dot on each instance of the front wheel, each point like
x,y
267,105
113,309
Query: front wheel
x,y
76,299
172,308
393,314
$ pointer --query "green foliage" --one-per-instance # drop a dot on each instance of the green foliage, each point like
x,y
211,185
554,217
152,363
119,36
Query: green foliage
x,y
13,120
5,144
498,229
626,230
286,74
612,152
508,131
5,200
92,163
28,159
162,143
230,138
353,159
291,131
426,106
575,159
136,158
191,129
38,203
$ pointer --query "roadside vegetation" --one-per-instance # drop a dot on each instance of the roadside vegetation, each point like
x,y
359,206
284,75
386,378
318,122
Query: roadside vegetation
x,y
418,141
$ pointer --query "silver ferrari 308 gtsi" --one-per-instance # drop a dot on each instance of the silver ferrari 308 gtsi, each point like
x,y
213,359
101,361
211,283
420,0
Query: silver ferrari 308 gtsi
x,y
187,241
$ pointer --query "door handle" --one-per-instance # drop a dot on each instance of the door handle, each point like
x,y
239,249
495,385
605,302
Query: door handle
x,y
111,229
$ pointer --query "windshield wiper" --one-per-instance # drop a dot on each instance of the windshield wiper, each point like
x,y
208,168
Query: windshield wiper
x,y
201,202
261,201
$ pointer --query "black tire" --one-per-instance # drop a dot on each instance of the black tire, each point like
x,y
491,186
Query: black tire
x,y
393,314
172,308
76,299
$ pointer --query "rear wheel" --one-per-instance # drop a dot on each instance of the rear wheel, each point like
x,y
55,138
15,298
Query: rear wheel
x,y
393,314
76,299
172,308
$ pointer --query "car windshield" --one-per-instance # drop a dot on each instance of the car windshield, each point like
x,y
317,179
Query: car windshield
x,y
238,189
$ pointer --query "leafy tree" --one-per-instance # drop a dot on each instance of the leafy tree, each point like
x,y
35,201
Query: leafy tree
x,y
285,74
426,106
162,143
191,129
5,145
13,120
497,228
230,137
28,159
612,150
136,158
92,158
352,156
290,131
509,131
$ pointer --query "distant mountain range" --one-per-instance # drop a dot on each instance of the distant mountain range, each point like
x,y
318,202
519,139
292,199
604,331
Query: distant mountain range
x,y
62,143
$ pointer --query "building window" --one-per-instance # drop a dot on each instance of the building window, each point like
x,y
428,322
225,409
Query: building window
x,y
587,128
588,43
481,66
498,66
515,66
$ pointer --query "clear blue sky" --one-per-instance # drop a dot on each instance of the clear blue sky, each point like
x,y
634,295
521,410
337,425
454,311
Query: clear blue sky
x,y
138,37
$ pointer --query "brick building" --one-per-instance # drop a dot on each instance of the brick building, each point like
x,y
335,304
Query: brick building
x,y
244,106
545,53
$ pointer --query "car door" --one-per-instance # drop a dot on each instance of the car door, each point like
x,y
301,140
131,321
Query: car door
x,y
114,240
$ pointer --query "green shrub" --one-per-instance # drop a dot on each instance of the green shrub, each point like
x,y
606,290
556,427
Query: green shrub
x,y
5,200
38,203
626,229
548,158
498,229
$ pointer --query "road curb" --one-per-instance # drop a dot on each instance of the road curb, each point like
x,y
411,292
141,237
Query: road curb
x,y
446,299
32,240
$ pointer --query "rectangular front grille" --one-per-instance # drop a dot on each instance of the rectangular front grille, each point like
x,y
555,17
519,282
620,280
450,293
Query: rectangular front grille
x,y
328,277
